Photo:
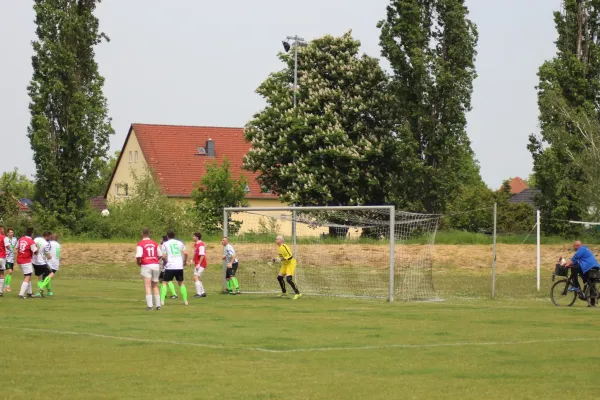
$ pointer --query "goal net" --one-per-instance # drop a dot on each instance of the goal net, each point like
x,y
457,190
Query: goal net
x,y
340,251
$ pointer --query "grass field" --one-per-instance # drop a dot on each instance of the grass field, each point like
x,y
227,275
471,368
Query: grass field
x,y
93,340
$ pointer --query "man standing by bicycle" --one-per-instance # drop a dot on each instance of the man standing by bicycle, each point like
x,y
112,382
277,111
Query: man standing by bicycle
x,y
582,262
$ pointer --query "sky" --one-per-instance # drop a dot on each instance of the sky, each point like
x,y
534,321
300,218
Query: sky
x,y
199,62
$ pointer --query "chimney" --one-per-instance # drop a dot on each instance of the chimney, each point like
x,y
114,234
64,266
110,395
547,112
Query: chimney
x,y
210,148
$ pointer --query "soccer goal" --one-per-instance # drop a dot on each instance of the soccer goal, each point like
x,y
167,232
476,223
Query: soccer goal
x,y
361,251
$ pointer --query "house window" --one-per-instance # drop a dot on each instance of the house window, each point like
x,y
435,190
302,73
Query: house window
x,y
136,156
130,157
126,190
247,188
116,190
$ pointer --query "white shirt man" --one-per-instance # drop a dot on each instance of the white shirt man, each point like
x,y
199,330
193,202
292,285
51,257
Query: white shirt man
x,y
175,254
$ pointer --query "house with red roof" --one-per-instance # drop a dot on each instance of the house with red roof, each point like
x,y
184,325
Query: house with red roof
x,y
177,157
517,185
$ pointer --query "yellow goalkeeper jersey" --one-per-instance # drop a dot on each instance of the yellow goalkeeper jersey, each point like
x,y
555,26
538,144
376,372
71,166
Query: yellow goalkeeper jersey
x,y
287,258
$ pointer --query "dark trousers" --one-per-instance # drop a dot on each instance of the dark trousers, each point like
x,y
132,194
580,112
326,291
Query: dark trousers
x,y
577,272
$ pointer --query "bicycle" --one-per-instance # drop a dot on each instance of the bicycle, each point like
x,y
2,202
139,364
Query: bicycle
x,y
559,292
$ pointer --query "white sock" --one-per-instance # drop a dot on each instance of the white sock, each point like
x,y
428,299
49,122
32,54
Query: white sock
x,y
24,287
199,288
157,300
29,288
149,300
1,285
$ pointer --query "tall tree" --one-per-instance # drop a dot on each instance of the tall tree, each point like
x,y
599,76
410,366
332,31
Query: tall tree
x,y
430,45
70,129
336,147
574,75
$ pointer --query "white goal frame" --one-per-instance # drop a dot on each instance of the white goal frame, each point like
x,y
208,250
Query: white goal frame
x,y
392,235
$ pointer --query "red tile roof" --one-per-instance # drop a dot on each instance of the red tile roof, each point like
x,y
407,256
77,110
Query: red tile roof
x,y
98,203
517,185
171,153
21,206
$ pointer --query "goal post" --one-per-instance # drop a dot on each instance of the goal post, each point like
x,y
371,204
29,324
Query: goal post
x,y
352,251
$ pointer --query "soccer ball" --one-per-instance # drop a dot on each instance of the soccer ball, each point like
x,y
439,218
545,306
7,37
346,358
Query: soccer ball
x,y
105,213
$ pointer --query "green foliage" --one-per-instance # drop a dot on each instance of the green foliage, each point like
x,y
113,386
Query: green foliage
x,y
431,48
337,147
215,191
17,184
106,168
70,129
573,75
145,207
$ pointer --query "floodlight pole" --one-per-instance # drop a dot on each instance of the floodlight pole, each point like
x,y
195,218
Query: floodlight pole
x,y
298,41
494,251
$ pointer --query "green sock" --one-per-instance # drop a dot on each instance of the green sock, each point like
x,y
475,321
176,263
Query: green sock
x,y
183,291
230,285
39,284
235,283
48,285
7,280
44,283
172,289
163,293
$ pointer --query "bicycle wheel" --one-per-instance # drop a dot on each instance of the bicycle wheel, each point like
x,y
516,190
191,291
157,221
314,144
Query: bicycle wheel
x,y
560,295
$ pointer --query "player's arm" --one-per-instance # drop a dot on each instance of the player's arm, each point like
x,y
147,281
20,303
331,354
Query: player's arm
x,y
201,254
34,248
164,253
47,253
232,256
139,252
7,245
185,255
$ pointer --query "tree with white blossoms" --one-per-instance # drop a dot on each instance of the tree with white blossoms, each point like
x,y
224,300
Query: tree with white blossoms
x,y
337,146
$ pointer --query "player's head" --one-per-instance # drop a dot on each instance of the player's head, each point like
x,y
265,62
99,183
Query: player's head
x,y
29,232
171,235
279,240
46,235
2,229
54,237
225,241
10,233
165,238
577,244
146,232
197,236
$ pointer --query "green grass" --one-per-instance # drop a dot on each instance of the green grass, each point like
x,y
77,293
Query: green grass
x,y
93,340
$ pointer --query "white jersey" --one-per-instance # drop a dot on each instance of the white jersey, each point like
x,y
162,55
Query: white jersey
x,y
173,249
10,245
43,249
54,261
229,252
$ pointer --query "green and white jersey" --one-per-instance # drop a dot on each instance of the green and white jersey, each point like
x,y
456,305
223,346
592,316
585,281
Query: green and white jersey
x,y
10,244
43,249
174,250
54,261
229,253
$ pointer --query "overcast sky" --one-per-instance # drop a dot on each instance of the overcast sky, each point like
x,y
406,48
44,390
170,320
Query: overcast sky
x,y
198,62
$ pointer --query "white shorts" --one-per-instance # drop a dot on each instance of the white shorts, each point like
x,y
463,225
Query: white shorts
x,y
150,271
26,268
2,264
198,271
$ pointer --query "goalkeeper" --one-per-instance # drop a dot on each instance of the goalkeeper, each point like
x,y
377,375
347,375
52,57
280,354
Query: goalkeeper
x,y
288,266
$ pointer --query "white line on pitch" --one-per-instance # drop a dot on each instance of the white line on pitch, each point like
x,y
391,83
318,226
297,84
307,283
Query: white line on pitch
x,y
314,349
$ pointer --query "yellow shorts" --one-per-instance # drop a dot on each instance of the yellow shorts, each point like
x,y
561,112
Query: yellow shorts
x,y
288,268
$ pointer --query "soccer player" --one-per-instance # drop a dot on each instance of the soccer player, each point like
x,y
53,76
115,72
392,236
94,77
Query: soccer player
x,y
175,255
288,266
26,249
162,271
40,261
199,263
53,263
2,259
10,243
232,266
147,255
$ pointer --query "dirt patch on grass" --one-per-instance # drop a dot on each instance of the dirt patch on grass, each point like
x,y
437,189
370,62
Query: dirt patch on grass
x,y
467,257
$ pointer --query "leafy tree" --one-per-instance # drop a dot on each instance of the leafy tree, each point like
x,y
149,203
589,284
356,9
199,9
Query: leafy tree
x,y
215,191
17,184
336,147
431,48
70,129
107,166
574,75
